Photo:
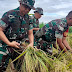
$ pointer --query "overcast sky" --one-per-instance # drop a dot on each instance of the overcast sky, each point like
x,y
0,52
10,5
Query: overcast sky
x,y
53,9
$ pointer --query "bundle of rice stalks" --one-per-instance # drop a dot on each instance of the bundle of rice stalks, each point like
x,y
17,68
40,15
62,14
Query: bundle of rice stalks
x,y
36,60
67,59
62,62
60,66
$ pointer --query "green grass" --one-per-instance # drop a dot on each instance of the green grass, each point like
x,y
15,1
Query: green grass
x,y
41,25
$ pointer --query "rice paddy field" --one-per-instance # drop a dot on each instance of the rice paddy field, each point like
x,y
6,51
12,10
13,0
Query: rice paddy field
x,y
36,60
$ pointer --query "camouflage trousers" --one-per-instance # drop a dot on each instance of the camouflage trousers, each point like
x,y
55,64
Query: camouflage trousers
x,y
43,45
5,56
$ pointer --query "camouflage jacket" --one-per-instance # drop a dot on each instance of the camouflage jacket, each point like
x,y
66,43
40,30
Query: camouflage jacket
x,y
35,23
15,26
52,30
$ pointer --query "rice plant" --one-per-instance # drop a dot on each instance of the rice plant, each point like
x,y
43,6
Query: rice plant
x,y
36,60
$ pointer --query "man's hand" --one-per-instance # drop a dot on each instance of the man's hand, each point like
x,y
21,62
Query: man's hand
x,y
14,44
61,45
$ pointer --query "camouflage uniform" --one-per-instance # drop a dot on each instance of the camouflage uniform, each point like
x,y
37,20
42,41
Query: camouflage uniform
x,y
47,35
35,23
15,28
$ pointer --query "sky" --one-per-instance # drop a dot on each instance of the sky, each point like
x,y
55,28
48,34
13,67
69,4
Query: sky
x,y
53,9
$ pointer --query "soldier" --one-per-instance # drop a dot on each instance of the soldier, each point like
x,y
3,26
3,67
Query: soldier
x,y
35,20
37,15
14,26
46,36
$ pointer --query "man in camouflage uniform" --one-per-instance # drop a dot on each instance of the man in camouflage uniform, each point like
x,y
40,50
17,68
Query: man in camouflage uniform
x,y
14,26
35,18
46,36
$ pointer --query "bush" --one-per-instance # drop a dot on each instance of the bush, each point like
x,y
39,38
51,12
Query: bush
x,y
41,25
70,29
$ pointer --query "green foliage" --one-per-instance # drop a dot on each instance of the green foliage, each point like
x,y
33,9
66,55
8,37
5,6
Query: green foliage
x,y
70,29
41,25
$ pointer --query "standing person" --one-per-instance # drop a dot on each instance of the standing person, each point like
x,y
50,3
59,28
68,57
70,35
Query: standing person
x,y
46,36
35,18
14,26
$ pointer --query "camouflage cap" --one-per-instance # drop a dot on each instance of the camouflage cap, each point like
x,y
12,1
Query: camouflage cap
x,y
29,3
39,10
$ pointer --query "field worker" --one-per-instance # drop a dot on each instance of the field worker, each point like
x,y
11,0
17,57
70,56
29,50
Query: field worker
x,y
14,26
37,15
35,20
46,36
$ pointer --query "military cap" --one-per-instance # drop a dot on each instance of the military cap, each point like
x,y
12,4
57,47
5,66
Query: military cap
x,y
29,3
39,10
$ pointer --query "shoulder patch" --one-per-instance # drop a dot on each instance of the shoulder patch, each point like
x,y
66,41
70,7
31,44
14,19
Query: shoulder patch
x,y
11,16
65,34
